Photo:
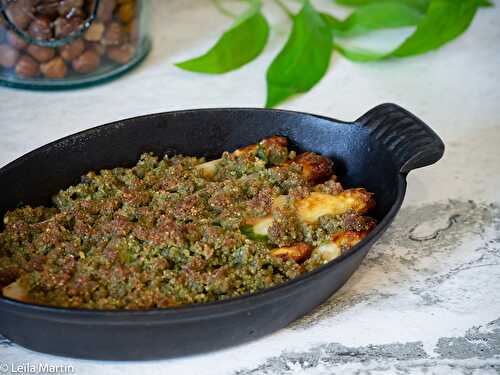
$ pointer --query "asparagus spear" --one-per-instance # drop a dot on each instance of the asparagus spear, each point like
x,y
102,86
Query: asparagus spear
x,y
259,150
338,244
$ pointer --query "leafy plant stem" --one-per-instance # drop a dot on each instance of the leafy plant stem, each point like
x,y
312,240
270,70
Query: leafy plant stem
x,y
250,29
315,35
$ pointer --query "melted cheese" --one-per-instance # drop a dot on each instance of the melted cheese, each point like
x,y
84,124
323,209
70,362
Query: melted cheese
x,y
317,204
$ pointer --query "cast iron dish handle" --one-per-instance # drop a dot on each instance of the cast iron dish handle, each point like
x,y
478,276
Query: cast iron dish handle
x,y
412,143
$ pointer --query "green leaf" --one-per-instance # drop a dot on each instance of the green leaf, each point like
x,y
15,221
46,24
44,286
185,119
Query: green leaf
x,y
445,20
333,22
418,4
383,15
304,59
359,54
485,3
242,43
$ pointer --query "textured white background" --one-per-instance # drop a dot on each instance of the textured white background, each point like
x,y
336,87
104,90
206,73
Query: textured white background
x,y
455,90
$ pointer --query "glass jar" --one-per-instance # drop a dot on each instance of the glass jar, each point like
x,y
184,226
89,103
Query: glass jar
x,y
56,44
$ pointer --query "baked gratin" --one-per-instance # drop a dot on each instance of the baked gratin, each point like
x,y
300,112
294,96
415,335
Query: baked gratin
x,y
180,230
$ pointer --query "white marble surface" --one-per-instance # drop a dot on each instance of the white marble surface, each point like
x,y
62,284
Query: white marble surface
x,y
426,299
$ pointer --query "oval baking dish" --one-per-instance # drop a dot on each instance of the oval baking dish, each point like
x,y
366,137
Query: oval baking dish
x,y
376,152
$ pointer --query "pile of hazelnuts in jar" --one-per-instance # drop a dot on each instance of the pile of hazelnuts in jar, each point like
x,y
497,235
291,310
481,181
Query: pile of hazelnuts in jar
x,y
99,35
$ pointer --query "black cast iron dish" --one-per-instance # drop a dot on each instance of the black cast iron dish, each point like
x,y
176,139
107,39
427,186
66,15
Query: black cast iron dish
x,y
376,152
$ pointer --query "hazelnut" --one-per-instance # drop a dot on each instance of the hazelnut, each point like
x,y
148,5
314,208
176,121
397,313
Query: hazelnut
x,y
40,28
97,47
28,4
16,41
126,12
94,32
72,50
40,53
47,8
27,67
64,26
8,56
121,54
86,62
68,6
105,10
55,68
20,13
113,34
